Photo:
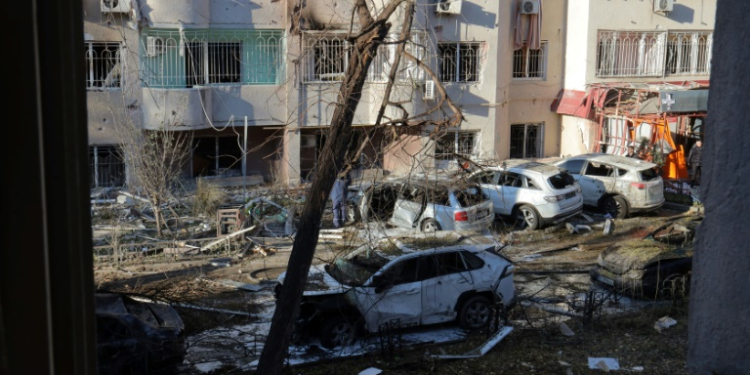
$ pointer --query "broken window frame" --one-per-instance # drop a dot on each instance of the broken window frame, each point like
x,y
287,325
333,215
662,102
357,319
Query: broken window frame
x,y
106,166
525,58
104,65
529,147
459,62
183,59
453,144
409,71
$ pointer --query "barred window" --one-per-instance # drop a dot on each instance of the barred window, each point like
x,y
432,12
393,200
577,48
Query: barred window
x,y
689,53
106,166
454,145
530,63
459,62
103,65
171,58
526,141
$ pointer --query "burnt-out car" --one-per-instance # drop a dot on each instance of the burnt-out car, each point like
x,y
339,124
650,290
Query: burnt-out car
x,y
658,266
372,287
427,205
136,337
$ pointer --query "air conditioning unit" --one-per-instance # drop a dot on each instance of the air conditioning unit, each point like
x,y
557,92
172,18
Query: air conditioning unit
x,y
154,45
530,7
308,141
448,6
663,5
429,90
115,6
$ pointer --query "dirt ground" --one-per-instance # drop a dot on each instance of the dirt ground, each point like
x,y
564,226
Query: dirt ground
x,y
550,263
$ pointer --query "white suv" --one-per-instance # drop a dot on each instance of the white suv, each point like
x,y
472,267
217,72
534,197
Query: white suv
x,y
370,287
618,185
535,194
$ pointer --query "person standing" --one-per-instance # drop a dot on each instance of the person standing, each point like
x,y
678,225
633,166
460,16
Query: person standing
x,y
339,197
631,152
694,163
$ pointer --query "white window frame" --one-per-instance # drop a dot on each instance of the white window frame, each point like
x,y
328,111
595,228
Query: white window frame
x,y
524,72
98,72
444,160
463,52
539,126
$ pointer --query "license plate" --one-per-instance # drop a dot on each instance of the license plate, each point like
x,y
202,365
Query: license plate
x,y
606,280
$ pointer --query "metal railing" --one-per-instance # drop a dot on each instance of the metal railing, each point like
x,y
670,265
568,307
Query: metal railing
x,y
103,65
530,63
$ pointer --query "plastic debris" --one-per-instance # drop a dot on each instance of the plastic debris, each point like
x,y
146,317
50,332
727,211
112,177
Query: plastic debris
x,y
371,371
565,330
603,363
663,323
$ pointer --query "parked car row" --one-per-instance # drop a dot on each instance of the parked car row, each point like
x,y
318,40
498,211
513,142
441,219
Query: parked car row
x,y
530,193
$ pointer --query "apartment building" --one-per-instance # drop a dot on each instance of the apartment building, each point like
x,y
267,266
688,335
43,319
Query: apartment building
x,y
636,73
255,83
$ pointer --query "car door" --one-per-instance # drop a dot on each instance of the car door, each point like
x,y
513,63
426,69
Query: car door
x,y
596,180
409,206
394,295
440,291
487,180
510,182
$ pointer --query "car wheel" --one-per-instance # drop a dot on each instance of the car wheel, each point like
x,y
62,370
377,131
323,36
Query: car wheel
x,y
615,206
352,213
430,225
336,331
527,217
475,313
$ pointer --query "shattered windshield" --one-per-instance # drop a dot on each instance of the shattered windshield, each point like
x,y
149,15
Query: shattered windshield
x,y
562,180
355,268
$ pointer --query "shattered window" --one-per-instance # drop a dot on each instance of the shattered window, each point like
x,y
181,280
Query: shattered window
x,y
473,262
600,170
402,272
103,65
449,263
326,59
561,180
648,174
470,196
573,166
511,179
487,177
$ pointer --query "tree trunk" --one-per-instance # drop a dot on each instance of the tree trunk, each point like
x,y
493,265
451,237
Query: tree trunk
x,y
331,162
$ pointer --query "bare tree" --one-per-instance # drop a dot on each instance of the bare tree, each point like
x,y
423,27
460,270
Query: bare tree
x,y
371,33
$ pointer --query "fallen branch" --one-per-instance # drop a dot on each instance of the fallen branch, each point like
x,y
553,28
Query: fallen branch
x,y
226,238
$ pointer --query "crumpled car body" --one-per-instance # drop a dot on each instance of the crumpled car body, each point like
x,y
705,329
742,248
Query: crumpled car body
x,y
369,289
658,266
427,205
137,337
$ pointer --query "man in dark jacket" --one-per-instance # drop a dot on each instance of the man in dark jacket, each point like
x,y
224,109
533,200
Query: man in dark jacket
x,y
338,197
694,163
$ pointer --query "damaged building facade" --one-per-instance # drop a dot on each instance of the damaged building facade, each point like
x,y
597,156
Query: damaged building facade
x,y
261,78
637,73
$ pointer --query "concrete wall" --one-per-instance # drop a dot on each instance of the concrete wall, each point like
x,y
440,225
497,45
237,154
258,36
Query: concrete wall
x,y
259,14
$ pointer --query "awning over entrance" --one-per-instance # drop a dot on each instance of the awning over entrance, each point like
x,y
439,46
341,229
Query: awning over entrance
x,y
573,103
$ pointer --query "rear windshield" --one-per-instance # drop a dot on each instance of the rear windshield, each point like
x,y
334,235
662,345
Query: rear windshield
x,y
648,174
562,180
470,196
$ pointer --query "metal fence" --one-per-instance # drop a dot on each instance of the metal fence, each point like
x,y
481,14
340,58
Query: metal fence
x,y
103,65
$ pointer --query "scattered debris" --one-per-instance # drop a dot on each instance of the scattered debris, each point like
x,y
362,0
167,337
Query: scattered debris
x,y
565,330
563,363
587,217
637,368
239,285
571,228
226,238
371,371
663,323
221,262
482,350
609,226
605,364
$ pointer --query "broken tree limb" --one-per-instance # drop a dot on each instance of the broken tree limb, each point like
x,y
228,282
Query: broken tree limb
x,y
189,306
482,350
144,200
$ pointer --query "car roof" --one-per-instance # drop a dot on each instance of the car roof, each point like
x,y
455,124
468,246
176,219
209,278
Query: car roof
x,y
516,165
473,248
615,160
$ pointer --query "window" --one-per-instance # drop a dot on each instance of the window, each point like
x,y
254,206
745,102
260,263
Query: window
x,y
174,59
511,179
573,166
459,62
562,180
599,170
408,70
643,53
217,156
487,177
530,63
330,59
454,145
103,65
526,141
106,166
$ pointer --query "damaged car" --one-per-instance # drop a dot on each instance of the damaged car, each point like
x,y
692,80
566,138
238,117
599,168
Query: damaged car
x,y
532,193
136,337
428,205
617,185
370,288
658,266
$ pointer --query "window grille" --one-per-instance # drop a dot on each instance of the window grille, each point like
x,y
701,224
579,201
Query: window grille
x,y
408,69
103,65
526,141
459,62
173,59
454,145
106,166
643,53
530,63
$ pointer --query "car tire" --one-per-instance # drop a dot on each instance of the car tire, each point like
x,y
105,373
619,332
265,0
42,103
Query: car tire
x,y
475,313
527,216
337,331
615,206
430,225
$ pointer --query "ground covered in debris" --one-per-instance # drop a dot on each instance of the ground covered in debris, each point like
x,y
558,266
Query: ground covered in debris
x,y
223,290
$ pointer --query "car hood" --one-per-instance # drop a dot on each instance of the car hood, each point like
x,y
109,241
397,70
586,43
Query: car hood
x,y
319,282
638,254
